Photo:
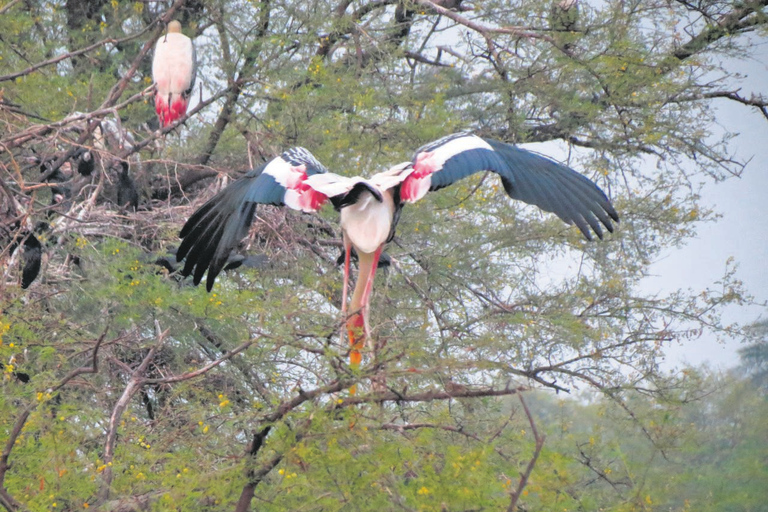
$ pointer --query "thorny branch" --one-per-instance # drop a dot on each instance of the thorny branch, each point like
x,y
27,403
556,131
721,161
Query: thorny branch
x,y
525,475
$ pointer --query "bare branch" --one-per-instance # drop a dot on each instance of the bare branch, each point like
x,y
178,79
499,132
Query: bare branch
x,y
733,22
427,396
201,371
539,438
135,383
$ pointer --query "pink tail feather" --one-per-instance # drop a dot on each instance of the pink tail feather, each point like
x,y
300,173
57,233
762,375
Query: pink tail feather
x,y
169,113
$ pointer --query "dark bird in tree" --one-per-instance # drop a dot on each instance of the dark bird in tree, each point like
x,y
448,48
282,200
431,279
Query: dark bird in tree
x,y
127,195
173,71
370,208
33,253
60,192
31,257
84,162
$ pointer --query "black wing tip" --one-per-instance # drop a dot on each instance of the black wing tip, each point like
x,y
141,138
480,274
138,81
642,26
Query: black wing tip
x,y
210,281
597,229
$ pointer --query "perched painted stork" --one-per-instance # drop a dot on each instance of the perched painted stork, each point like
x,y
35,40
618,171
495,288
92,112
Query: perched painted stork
x,y
370,208
173,71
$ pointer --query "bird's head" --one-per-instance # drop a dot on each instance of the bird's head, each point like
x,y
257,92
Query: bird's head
x,y
174,27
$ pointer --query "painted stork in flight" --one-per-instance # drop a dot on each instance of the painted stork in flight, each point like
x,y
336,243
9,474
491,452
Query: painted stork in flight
x,y
370,208
173,71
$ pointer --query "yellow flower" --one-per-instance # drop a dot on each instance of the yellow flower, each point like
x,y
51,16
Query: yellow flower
x,y
423,491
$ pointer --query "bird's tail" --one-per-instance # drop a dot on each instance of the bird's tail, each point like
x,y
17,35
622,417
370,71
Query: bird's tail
x,y
356,332
170,107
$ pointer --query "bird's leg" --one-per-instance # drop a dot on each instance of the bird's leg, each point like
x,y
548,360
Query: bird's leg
x,y
357,323
367,293
347,254
378,381
344,293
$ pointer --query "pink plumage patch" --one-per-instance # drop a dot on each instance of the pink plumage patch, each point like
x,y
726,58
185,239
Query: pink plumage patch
x,y
170,113
299,195
416,185
309,198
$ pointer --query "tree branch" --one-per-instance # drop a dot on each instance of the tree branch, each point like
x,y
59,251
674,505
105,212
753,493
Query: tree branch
x,y
525,475
731,23
75,53
236,87
135,383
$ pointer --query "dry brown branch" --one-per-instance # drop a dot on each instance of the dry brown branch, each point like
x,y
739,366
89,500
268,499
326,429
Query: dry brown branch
x,y
38,131
427,396
525,475
135,383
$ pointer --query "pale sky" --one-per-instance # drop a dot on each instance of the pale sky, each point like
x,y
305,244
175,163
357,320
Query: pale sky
x,y
742,232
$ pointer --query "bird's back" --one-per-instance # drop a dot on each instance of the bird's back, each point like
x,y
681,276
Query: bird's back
x,y
173,64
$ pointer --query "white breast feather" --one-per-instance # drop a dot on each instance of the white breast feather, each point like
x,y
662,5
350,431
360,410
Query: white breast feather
x,y
367,222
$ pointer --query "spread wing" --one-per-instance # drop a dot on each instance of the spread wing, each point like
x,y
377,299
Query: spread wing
x,y
214,230
526,176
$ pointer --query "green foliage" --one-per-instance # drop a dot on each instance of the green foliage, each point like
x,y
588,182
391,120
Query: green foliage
x,y
126,388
